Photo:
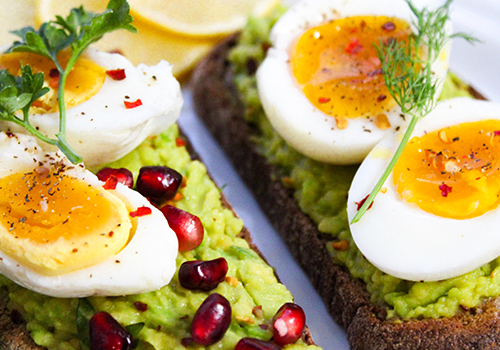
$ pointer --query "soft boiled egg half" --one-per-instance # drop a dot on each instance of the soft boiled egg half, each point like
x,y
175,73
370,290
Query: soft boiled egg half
x,y
437,214
62,234
111,105
321,84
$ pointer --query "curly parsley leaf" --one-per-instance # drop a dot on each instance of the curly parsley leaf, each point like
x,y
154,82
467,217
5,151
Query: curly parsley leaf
x,y
76,32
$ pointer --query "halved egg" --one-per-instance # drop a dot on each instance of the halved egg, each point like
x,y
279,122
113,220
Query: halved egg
x,y
111,106
62,234
321,84
436,216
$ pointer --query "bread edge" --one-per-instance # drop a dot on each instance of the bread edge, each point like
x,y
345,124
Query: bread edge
x,y
216,101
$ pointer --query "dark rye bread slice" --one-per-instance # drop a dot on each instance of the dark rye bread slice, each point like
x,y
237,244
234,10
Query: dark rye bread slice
x,y
13,333
217,102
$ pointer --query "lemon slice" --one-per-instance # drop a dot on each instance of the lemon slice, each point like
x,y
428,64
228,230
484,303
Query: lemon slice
x,y
200,17
15,15
149,45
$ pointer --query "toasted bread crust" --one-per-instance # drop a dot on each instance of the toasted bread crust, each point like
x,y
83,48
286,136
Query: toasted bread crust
x,y
217,103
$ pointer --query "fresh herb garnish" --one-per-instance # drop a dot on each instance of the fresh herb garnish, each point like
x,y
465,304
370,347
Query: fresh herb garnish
x,y
409,78
76,32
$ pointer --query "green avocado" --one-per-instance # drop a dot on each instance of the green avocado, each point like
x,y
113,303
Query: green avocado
x,y
321,191
252,285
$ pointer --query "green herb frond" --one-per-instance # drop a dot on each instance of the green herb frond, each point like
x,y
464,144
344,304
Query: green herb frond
x,y
75,32
407,68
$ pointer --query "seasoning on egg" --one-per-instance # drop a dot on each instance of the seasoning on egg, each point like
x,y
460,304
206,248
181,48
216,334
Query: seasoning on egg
x,y
340,59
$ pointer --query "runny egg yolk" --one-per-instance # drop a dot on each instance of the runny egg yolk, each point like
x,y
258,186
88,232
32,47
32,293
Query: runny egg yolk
x,y
83,82
453,172
337,66
55,223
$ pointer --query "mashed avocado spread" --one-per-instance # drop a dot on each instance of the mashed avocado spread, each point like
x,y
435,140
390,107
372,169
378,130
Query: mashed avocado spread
x,y
321,191
252,288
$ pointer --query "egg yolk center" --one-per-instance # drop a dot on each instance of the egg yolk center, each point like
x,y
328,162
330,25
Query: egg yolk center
x,y
55,223
84,81
453,172
338,69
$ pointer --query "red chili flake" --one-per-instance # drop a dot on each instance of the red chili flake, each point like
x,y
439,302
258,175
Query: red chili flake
x,y
54,78
116,74
180,142
324,99
496,133
354,47
111,233
141,211
360,203
140,306
445,190
389,26
110,183
134,104
382,97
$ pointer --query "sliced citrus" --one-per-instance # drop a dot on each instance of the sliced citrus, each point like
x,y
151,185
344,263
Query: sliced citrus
x,y
15,15
149,45
200,17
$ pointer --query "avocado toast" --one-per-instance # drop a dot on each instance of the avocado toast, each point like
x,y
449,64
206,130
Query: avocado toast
x,y
161,318
224,94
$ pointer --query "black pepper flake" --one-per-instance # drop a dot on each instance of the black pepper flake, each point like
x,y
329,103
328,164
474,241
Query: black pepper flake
x,y
16,317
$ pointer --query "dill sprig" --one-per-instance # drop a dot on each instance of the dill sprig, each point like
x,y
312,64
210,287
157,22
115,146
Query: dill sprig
x,y
409,78
77,31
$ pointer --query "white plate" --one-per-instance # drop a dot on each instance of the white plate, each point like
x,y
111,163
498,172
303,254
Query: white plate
x,y
478,65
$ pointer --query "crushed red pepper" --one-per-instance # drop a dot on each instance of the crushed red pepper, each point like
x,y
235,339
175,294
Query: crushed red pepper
x,y
141,211
116,74
361,202
445,190
354,47
134,104
110,183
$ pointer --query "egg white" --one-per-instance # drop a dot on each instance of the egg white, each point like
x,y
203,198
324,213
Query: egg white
x,y
295,118
404,241
101,129
145,264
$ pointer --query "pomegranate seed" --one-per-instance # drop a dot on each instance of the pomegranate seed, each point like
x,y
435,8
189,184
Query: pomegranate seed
x,y
123,175
288,324
187,227
107,334
158,183
202,275
212,320
255,344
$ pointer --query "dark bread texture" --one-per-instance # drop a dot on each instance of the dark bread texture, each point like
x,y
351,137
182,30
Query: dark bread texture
x,y
217,102
13,333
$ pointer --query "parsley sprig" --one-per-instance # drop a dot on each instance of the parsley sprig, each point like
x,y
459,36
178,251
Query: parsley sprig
x,y
409,78
77,31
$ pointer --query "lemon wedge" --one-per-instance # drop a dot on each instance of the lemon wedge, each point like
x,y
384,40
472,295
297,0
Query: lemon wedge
x,y
15,15
149,45
200,17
